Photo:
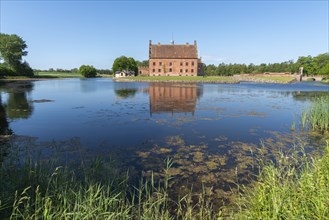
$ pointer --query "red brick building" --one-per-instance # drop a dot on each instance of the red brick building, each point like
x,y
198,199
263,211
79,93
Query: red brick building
x,y
173,60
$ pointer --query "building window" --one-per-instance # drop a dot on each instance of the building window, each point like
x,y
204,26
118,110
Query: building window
x,y
186,63
181,70
181,63
160,63
186,70
170,70
170,64
153,70
159,70
192,70
153,63
192,63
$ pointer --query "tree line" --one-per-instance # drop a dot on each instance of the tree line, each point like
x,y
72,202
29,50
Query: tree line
x,y
13,48
74,70
318,65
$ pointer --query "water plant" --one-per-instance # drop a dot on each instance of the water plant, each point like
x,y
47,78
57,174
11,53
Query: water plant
x,y
296,187
304,118
293,126
318,114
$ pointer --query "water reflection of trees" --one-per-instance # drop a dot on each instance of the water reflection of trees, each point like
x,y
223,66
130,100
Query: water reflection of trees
x,y
173,97
16,105
125,93
124,90
308,95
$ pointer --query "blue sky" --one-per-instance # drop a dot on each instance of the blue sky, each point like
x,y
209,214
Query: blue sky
x,y
67,34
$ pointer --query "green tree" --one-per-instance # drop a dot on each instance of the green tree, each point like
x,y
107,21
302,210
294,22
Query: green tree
x,y
125,63
87,71
144,63
12,49
308,64
210,70
322,64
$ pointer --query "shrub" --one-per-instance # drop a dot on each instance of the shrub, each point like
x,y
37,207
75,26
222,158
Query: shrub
x,y
87,71
24,69
6,71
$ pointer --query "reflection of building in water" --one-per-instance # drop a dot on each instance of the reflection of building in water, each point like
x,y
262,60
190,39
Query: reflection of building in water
x,y
169,97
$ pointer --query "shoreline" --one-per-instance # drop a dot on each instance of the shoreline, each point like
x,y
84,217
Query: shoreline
x,y
236,79
213,80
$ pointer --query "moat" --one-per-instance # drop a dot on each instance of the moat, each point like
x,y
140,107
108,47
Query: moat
x,y
213,132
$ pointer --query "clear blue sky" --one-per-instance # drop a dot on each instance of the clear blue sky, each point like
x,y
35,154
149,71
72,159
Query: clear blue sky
x,y
67,34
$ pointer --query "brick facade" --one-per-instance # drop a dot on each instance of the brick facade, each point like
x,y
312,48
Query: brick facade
x,y
143,70
173,60
173,67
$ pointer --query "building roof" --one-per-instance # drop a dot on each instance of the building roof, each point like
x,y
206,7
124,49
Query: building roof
x,y
124,71
173,51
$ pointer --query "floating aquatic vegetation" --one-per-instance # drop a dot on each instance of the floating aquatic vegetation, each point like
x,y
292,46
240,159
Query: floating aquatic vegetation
x,y
257,114
175,140
197,156
42,100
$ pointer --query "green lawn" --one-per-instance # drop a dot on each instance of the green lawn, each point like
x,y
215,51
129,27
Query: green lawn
x,y
214,79
211,79
56,75
268,78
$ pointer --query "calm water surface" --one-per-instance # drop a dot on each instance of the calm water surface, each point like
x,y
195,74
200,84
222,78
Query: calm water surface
x,y
209,130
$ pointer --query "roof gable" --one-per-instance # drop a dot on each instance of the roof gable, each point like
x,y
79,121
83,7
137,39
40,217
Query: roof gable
x,y
171,51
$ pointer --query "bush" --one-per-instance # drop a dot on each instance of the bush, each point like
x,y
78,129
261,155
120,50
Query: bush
x,y
87,71
6,71
24,69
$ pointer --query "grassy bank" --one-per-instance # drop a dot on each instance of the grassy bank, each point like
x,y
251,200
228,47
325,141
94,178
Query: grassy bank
x,y
267,78
295,187
210,79
50,75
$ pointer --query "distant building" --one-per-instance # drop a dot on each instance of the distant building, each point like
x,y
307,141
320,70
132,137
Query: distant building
x,y
124,73
173,60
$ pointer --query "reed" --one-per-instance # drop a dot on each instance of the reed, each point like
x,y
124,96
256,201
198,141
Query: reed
x,y
48,192
318,114
294,187
304,118
297,187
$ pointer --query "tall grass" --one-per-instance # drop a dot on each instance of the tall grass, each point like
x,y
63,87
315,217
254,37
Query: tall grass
x,y
304,119
59,193
297,187
318,114
294,187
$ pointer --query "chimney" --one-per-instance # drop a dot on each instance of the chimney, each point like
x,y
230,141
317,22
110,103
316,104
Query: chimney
x,y
194,42
150,42
158,43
